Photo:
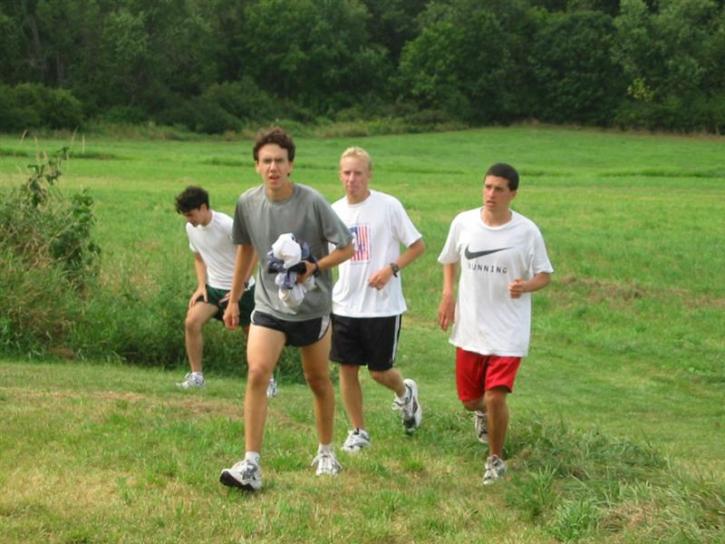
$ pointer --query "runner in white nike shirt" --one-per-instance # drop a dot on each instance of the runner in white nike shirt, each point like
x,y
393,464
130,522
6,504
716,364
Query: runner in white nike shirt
x,y
502,260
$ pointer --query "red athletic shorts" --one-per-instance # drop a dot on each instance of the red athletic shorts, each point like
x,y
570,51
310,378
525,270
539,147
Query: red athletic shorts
x,y
476,373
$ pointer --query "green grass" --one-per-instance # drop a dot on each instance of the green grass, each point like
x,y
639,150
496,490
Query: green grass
x,y
616,429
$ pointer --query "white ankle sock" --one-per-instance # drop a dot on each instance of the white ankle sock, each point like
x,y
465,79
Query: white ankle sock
x,y
252,456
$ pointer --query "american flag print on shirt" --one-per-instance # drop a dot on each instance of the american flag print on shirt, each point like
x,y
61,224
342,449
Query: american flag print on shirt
x,y
361,241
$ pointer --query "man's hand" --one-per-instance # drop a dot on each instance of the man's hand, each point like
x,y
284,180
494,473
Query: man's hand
x,y
446,311
380,278
231,315
517,288
310,269
200,292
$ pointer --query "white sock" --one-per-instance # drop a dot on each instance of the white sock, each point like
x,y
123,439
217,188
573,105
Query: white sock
x,y
324,448
253,457
199,374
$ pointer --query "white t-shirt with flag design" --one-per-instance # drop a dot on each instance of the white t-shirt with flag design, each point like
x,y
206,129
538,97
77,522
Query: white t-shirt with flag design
x,y
379,226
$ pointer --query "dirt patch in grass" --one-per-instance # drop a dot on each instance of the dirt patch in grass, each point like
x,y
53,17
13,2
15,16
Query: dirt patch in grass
x,y
186,405
598,290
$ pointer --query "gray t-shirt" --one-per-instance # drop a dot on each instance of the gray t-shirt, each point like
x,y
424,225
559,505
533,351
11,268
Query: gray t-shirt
x,y
259,221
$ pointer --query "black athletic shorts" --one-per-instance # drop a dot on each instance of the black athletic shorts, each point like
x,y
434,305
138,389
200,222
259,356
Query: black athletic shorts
x,y
370,341
218,297
298,333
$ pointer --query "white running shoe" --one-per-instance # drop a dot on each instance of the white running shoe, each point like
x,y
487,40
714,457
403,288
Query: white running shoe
x,y
244,474
409,408
356,440
272,389
326,463
495,468
192,380
480,423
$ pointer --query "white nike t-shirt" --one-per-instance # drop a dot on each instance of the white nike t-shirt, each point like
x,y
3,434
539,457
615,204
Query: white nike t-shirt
x,y
487,320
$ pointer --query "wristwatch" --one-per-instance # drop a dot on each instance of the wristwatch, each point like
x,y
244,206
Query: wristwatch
x,y
395,268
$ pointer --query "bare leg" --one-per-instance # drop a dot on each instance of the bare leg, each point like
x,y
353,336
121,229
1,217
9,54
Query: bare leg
x,y
391,379
498,419
264,346
475,405
316,366
352,394
197,316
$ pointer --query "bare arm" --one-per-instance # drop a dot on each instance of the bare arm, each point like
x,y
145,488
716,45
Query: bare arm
x,y
518,287
244,262
380,278
335,257
249,271
447,306
200,272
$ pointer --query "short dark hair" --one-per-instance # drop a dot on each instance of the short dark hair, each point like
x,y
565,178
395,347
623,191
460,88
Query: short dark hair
x,y
191,198
274,135
506,171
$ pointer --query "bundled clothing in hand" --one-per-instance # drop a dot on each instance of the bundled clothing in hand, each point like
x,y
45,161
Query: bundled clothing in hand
x,y
286,259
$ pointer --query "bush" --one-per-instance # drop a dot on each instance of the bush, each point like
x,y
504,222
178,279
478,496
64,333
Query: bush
x,y
137,316
39,309
242,99
30,105
125,115
49,259
696,113
11,116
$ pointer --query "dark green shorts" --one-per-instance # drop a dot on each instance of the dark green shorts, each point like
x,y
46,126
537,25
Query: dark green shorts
x,y
218,297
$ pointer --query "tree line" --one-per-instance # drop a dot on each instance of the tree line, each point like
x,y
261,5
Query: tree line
x,y
218,65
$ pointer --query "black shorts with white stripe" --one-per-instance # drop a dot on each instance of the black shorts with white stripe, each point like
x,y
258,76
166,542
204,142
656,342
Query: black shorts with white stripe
x,y
371,341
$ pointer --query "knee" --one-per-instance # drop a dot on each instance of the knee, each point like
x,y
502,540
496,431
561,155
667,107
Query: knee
x,y
318,381
349,372
378,375
495,399
258,376
471,405
192,325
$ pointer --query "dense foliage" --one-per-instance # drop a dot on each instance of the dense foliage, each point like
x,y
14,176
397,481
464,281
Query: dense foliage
x,y
49,257
218,65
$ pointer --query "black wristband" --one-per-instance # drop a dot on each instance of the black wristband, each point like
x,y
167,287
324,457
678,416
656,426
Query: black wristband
x,y
395,268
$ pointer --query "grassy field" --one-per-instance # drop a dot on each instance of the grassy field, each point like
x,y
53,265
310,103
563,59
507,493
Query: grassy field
x,y
617,418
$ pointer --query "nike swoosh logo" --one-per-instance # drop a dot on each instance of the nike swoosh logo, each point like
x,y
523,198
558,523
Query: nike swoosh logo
x,y
476,254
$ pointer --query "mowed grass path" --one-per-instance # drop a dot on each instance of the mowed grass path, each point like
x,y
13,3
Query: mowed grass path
x,y
627,344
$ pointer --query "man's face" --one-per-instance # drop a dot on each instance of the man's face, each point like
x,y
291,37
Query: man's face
x,y
355,175
274,166
198,216
496,193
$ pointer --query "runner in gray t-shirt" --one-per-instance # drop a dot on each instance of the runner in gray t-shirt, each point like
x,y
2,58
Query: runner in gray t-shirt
x,y
264,213
259,220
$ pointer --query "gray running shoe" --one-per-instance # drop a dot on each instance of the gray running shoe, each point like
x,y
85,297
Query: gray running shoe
x,y
480,423
326,464
192,381
244,474
409,408
495,468
272,389
356,440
